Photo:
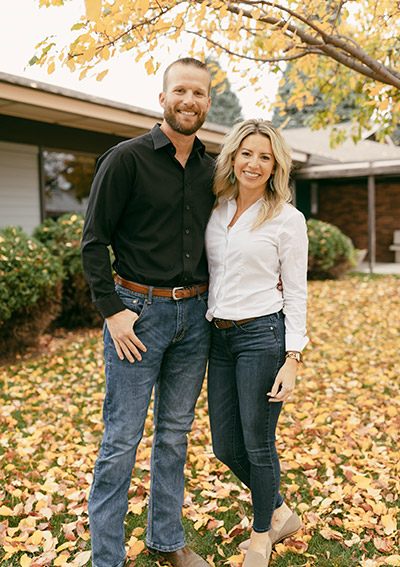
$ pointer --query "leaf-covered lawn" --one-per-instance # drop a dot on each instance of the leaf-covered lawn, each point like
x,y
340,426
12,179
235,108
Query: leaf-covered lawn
x,y
338,439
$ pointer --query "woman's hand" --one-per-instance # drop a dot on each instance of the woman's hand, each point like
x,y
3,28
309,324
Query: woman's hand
x,y
284,382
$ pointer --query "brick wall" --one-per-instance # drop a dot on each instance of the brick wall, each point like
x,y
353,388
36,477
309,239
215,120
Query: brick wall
x,y
344,203
387,217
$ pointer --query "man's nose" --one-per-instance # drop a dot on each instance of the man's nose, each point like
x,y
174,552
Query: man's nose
x,y
188,98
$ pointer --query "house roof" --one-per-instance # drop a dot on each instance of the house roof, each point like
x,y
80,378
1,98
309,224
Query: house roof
x,y
348,159
311,151
316,143
34,100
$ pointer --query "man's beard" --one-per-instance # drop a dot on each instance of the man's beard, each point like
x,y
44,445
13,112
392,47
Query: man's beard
x,y
172,119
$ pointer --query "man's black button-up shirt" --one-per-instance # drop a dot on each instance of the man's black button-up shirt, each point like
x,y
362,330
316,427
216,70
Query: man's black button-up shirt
x,y
152,211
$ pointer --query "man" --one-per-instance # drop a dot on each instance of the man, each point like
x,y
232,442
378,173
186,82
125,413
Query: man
x,y
151,199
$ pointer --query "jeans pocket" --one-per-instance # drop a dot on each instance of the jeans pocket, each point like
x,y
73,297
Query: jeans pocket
x,y
203,297
137,304
258,325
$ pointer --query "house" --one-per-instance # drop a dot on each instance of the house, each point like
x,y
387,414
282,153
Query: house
x,y
50,138
355,186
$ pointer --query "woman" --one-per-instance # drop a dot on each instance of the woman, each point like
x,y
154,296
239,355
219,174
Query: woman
x,y
253,236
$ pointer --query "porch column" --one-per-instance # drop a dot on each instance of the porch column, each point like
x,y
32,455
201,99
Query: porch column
x,y
371,224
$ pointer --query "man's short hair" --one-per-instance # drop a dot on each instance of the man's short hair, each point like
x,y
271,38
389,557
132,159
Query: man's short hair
x,y
189,61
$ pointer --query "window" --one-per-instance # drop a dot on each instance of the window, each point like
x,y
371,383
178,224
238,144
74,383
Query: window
x,y
67,180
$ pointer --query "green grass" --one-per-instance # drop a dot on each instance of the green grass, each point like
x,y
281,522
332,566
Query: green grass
x,y
338,440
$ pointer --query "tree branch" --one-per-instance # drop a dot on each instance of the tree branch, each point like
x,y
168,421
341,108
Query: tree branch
x,y
307,51
357,59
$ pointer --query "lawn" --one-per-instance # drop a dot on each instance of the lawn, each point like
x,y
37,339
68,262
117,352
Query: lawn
x,y
338,439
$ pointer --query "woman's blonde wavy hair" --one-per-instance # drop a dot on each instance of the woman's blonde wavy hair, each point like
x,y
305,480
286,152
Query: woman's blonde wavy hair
x,y
272,200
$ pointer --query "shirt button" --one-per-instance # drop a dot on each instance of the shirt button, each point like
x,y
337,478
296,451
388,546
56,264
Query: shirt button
x,y
188,207
187,231
187,255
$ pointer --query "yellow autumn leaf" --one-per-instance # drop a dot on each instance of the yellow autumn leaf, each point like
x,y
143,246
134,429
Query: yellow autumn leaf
x,y
143,5
361,481
5,511
149,66
93,9
136,548
136,509
25,560
61,560
389,523
36,537
235,558
81,559
101,75
392,560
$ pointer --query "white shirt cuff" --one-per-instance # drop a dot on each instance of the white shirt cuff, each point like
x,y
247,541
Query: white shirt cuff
x,y
295,342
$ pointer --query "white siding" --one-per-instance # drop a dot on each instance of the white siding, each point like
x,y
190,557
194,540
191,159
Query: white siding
x,y
19,186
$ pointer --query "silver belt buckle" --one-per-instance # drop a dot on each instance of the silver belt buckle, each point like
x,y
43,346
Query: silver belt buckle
x,y
174,290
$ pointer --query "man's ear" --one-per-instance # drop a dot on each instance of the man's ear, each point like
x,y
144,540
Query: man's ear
x,y
161,99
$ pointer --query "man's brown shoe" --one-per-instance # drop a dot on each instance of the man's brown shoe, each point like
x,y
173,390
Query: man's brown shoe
x,y
184,557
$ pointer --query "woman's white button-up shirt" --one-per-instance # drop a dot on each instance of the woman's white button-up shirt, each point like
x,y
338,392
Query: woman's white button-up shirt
x,y
245,265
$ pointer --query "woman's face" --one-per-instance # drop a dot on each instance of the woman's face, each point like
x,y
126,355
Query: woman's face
x,y
253,163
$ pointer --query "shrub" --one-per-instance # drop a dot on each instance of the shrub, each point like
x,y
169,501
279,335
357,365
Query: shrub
x,y
29,292
63,238
331,253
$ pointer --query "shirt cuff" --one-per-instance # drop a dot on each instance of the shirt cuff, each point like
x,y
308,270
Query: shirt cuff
x,y
109,305
295,342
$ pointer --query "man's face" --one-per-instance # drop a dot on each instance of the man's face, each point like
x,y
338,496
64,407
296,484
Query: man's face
x,y
186,100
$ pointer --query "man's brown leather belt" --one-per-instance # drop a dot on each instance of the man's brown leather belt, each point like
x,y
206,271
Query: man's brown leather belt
x,y
173,292
227,323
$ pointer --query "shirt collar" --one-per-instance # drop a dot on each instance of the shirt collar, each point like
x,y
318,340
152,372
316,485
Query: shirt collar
x,y
161,140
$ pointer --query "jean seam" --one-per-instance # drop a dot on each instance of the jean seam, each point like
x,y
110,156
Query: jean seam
x,y
234,453
155,421
274,483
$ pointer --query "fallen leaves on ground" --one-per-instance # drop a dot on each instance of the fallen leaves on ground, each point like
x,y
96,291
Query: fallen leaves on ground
x,y
338,440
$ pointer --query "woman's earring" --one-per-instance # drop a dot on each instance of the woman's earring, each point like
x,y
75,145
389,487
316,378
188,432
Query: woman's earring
x,y
270,184
232,176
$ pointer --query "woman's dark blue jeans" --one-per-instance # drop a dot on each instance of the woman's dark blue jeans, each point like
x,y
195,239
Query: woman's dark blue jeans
x,y
244,362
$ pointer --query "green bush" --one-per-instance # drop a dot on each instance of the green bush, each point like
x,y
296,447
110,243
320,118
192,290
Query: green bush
x,y
63,238
29,291
331,253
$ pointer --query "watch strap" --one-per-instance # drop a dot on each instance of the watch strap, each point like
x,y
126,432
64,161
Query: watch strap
x,y
294,354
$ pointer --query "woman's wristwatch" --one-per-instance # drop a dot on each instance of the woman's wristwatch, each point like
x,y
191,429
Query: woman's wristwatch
x,y
294,354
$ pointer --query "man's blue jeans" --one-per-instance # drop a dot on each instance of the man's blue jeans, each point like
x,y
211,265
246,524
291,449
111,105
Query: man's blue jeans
x,y
244,362
177,337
